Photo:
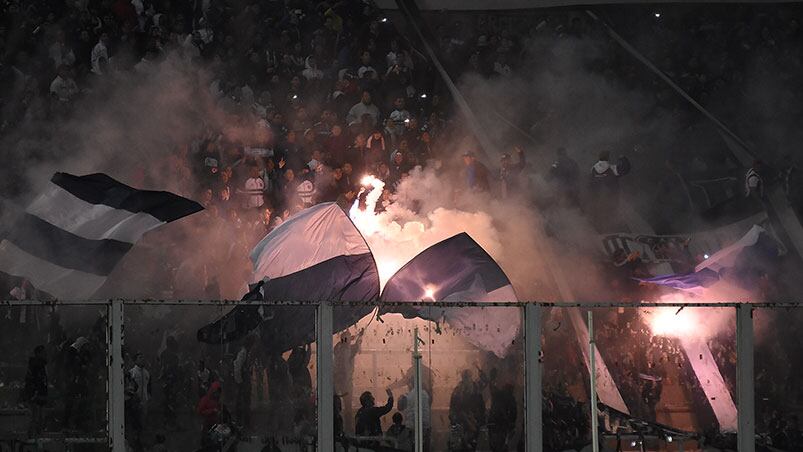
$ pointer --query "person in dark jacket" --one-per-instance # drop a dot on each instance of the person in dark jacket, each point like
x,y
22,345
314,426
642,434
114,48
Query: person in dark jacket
x,y
502,416
510,173
564,174
399,167
605,192
466,414
475,173
35,390
369,416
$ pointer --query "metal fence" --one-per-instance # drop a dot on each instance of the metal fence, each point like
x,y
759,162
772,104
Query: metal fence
x,y
553,347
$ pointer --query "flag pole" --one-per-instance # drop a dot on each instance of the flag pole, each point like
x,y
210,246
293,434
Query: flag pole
x,y
419,421
593,374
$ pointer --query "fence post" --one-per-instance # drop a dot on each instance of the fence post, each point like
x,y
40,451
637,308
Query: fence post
x,y
746,434
533,428
115,404
324,365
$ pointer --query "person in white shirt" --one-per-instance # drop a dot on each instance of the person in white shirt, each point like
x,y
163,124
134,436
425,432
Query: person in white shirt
x,y
101,50
254,189
242,379
63,87
407,404
311,71
142,378
365,106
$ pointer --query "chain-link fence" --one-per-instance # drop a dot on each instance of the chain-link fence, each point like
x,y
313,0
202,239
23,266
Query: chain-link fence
x,y
190,375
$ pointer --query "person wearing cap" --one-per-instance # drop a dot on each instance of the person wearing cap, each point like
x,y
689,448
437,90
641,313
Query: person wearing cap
x,y
365,106
475,173
605,189
754,182
509,173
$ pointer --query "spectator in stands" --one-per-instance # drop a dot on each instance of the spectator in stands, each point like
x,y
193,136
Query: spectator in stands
x,y
403,436
243,367
510,174
375,150
369,416
254,189
502,415
563,173
142,379
467,412
63,87
475,173
170,380
398,168
35,391
210,407
100,51
364,107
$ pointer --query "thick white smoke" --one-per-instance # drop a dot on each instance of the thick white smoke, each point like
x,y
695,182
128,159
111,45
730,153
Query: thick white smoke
x,y
401,231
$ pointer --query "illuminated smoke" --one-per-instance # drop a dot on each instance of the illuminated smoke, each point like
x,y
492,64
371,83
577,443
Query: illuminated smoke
x,y
687,323
400,232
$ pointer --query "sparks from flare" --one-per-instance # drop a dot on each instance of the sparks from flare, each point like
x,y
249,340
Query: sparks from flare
x,y
680,323
671,323
388,240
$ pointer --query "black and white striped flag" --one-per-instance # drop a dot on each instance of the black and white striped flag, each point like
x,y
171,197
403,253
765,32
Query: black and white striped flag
x,y
71,237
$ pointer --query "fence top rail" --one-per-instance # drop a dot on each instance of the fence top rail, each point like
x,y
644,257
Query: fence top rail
x,y
437,304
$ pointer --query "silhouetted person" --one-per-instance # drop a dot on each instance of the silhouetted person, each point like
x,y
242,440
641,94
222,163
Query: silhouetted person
x,y
170,380
510,173
403,435
502,416
210,409
605,190
76,371
564,173
35,391
345,351
466,414
369,416
242,378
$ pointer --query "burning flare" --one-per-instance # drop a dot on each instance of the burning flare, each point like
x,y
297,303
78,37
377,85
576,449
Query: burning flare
x,y
398,233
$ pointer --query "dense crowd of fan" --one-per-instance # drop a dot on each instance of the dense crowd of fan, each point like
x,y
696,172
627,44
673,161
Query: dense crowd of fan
x,y
335,92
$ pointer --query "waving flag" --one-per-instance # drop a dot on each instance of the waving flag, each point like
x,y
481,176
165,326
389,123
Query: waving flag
x,y
736,261
458,269
316,255
319,255
71,237
686,281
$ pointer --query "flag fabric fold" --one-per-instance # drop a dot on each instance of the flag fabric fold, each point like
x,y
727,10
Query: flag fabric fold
x,y
71,237
736,262
458,269
316,255
319,255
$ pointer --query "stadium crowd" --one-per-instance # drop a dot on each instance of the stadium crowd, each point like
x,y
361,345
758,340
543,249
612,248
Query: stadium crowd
x,y
334,92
